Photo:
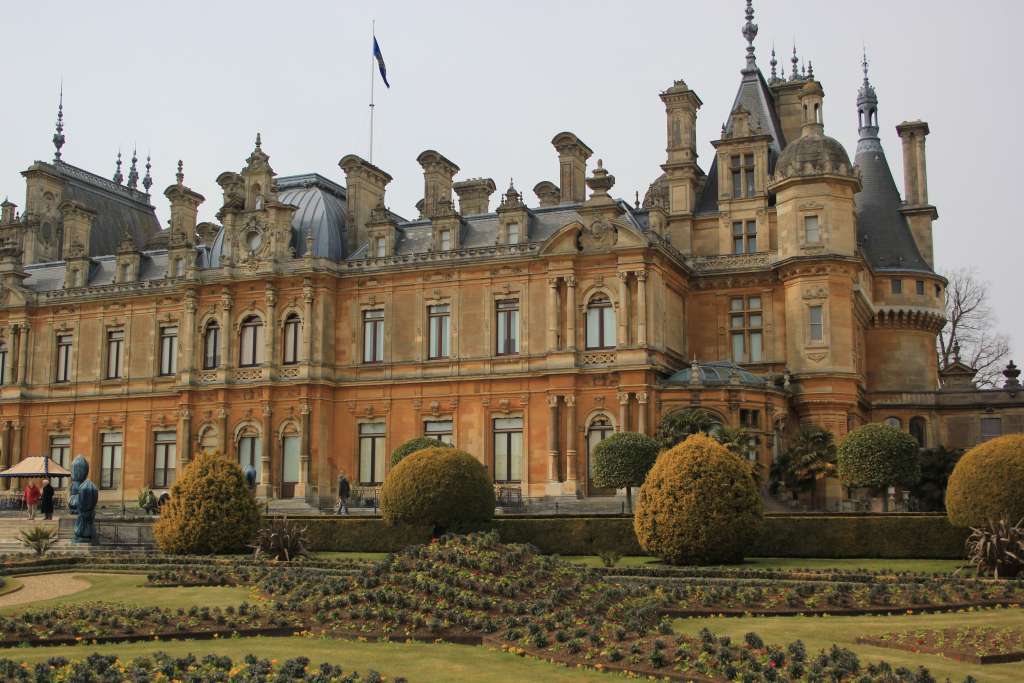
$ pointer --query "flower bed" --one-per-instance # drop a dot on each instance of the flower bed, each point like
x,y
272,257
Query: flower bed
x,y
161,666
976,644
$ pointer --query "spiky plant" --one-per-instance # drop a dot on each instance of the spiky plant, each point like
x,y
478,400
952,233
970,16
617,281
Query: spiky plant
x,y
39,539
997,549
281,540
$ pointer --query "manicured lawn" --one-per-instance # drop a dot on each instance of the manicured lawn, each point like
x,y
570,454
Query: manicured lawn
x,y
821,632
130,588
420,662
10,585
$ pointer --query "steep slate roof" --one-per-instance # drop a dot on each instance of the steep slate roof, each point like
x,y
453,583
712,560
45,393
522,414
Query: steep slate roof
x,y
882,231
48,277
118,208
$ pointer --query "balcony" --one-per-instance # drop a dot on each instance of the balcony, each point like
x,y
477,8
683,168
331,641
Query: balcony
x,y
253,374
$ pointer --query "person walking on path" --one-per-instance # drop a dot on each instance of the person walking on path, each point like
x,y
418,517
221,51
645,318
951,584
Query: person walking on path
x,y
46,500
31,498
344,490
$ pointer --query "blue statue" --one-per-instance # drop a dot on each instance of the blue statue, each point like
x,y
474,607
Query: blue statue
x,y
250,477
83,497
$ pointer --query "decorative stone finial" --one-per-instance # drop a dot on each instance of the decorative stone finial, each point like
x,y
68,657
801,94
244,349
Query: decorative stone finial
x,y
1011,373
58,137
147,182
775,63
118,176
601,181
810,69
864,65
180,175
133,171
750,32
956,352
259,141
795,61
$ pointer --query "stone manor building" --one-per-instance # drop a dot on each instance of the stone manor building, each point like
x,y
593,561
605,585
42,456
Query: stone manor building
x,y
309,329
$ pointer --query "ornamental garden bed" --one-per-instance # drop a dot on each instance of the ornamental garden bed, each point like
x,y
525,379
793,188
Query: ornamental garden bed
x,y
978,645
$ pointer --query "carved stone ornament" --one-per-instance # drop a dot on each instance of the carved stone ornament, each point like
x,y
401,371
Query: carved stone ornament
x,y
601,234
817,356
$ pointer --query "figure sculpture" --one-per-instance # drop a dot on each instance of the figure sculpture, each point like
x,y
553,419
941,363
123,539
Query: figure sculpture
x,y
250,477
84,495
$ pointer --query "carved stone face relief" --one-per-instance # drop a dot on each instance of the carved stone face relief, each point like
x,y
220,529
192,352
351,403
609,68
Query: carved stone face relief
x,y
601,234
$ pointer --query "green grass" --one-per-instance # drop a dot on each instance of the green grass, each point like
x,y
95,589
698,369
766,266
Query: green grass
x,y
927,566
10,585
821,632
131,589
420,662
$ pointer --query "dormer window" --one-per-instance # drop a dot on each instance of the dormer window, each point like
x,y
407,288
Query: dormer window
x,y
445,240
742,167
812,230
380,247
513,233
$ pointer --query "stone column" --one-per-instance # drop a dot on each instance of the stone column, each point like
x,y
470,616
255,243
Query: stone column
x,y
266,487
570,437
23,352
226,333
552,314
623,411
15,352
302,485
641,306
570,312
225,439
16,444
641,399
186,437
270,343
623,318
553,438
307,322
5,461
188,333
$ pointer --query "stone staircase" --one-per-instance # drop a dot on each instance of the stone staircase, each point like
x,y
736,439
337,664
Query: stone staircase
x,y
290,506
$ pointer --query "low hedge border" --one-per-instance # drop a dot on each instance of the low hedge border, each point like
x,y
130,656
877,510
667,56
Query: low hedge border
x,y
823,536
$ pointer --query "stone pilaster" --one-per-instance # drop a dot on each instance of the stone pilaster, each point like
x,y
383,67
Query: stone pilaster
x,y
623,411
570,437
570,312
552,314
552,438
302,485
641,399
641,305
623,317
266,485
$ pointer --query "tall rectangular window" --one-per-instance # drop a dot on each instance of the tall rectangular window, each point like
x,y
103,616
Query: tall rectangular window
x,y
373,336
508,449
63,358
817,321
446,240
439,324
371,453
292,337
746,325
812,230
748,173
111,446
115,353
600,323
168,350
249,453
60,453
442,430
744,237
165,455
508,327
250,342
897,286
751,237
513,233
381,247
919,287
737,176
211,346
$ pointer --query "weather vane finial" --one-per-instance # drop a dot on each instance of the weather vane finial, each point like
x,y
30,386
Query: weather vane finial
x,y
58,137
750,32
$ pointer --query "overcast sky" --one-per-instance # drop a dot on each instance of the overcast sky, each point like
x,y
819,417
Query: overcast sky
x,y
488,84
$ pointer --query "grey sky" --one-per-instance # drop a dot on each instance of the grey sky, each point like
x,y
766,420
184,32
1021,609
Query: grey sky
x,y
488,84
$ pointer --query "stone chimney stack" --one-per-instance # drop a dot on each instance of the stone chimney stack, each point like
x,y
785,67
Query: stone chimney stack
x,y
474,195
438,173
365,185
184,208
7,212
572,163
920,214
548,193
78,219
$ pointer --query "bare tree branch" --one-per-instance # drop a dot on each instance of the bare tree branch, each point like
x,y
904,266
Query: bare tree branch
x,y
970,328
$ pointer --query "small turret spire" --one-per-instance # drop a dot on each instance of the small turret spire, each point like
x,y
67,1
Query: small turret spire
x,y
775,63
795,61
147,182
259,142
180,175
58,137
118,176
867,105
810,69
133,171
750,32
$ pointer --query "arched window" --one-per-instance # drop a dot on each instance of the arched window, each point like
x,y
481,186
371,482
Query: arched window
x,y
894,422
250,342
600,323
918,427
250,448
211,345
600,429
292,339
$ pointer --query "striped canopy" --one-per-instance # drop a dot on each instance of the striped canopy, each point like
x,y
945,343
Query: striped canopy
x,y
36,466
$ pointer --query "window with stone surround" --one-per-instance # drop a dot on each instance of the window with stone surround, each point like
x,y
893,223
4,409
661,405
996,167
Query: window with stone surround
x,y
441,430
292,339
380,247
512,233
371,453
64,342
508,449
507,338
445,240
250,447
919,287
168,350
812,230
742,172
746,325
115,353
600,323
60,453
211,346
251,342
600,428
439,331
373,336
897,286
165,454
816,322
744,237
111,450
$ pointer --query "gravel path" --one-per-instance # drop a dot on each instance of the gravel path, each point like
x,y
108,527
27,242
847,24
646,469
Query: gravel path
x,y
43,587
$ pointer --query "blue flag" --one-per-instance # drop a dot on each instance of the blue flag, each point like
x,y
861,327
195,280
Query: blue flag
x,y
380,62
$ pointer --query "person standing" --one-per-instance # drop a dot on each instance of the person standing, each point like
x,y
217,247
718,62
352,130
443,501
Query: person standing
x,y
46,500
31,498
344,490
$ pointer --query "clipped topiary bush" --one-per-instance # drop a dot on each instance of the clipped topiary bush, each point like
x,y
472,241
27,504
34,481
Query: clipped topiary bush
x,y
444,488
210,510
411,446
877,456
623,460
987,484
699,505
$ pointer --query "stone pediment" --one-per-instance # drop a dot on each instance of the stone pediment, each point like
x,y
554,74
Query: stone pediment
x,y
596,235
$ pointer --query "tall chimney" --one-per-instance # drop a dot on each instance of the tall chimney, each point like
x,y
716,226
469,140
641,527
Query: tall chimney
x,y
572,163
474,195
915,176
437,181
548,193
364,186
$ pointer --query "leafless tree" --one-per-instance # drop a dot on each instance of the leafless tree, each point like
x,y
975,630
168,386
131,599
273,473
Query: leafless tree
x,y
970,333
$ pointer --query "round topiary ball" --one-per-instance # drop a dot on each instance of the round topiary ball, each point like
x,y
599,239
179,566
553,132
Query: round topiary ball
x,y
411,446
987,483
699,505
623,460
877,456
210,510
441,487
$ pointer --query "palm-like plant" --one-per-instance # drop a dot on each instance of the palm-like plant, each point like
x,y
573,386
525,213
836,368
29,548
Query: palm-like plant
x,y
997,549
281,540
39,539
811,456
675,427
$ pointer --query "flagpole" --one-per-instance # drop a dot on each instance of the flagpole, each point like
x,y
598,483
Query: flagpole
x,y
373,33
